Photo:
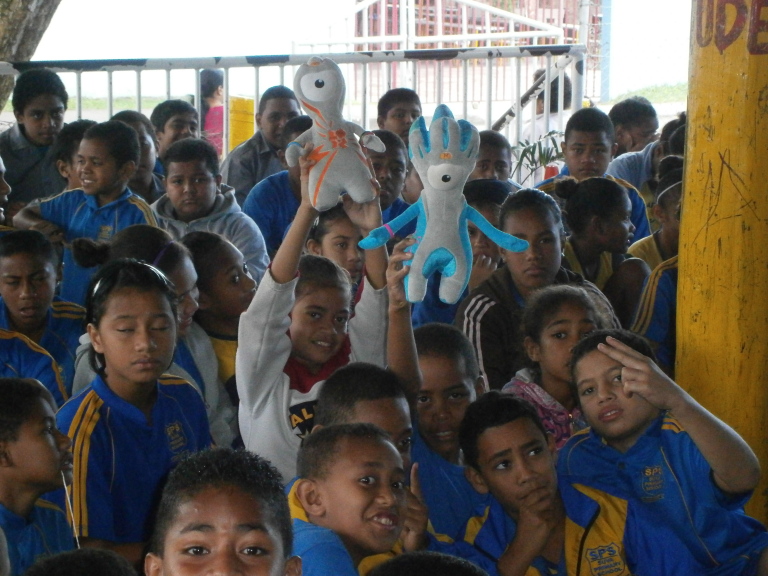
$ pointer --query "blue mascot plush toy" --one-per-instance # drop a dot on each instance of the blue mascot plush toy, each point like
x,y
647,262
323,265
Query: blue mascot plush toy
x,y
444,156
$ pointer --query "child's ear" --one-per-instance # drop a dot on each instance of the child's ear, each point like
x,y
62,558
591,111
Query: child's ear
x,y
532,348
311,497
658,213
292,566
218,182
5,456
93,334
63,169
595,227
475,479
380,122
313,247
203,301
126,170
153,565
480,387
614,149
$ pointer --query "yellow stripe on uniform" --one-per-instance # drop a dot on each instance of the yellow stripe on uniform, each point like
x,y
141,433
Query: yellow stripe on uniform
x,y
8,334
171,380
648,299
671,423
80,430
474,525
145,209
46,504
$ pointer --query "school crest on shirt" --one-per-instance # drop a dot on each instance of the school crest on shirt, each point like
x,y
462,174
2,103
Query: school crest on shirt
x,y
105,233
652,483
605,560
302,418
177,440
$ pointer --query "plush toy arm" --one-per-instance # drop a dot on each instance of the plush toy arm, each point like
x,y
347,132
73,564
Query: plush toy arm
x,y
296,148
381,235
506,241
376,238
372,142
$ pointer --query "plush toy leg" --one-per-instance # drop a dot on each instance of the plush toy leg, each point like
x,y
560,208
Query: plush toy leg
x,y
358,185
452,286
322,196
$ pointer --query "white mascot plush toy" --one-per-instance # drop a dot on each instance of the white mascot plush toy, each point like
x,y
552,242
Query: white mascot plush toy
x,y
444,156
340,165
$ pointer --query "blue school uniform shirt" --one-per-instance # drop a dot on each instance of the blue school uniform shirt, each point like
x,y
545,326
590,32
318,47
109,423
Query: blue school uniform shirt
x,y
121,460
80,216
63,328
395,209
485,538
449,496
638,217
322,552
657,311
44,533
272,205
664,507
22,358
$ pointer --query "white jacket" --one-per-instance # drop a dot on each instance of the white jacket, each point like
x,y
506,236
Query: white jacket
x,y
271,414
226,219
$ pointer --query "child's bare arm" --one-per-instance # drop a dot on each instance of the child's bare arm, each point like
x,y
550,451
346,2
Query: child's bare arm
x,y
735,467
367,217
30,218
286,261
402,358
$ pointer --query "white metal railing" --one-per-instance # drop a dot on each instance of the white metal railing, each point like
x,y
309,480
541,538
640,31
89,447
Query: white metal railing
x,y
490,79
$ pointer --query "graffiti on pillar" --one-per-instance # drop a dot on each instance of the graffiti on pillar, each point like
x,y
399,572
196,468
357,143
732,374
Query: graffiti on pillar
x,y
724,21
720,180
762,100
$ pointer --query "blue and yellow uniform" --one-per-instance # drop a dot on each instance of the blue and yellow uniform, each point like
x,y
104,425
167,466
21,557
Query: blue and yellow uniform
x,y
22,358
122,458
63,328
485,538
321,550
44,533
80,216
656,505
639,217
656,313
449,496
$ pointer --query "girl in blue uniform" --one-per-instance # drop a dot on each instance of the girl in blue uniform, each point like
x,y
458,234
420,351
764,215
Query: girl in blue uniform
x,y
133,423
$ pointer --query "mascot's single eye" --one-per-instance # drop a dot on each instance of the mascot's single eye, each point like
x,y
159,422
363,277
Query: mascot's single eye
x,y
320,86
446,176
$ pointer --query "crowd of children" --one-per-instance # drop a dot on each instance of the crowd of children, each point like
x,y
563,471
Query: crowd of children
x,y
154,304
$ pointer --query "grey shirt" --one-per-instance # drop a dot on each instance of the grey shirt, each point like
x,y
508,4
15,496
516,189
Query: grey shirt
x,y
29,170
249,164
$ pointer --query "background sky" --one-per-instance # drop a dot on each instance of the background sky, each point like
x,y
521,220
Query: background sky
x,y
650,39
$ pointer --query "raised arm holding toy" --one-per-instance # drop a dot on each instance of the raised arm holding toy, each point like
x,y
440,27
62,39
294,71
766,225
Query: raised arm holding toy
x,y
444,156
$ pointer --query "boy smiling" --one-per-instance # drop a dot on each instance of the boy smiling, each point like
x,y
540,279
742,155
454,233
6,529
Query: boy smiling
x,y
352,488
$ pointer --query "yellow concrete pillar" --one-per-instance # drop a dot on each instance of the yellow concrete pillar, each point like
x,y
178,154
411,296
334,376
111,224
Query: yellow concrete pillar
x,y
722,317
